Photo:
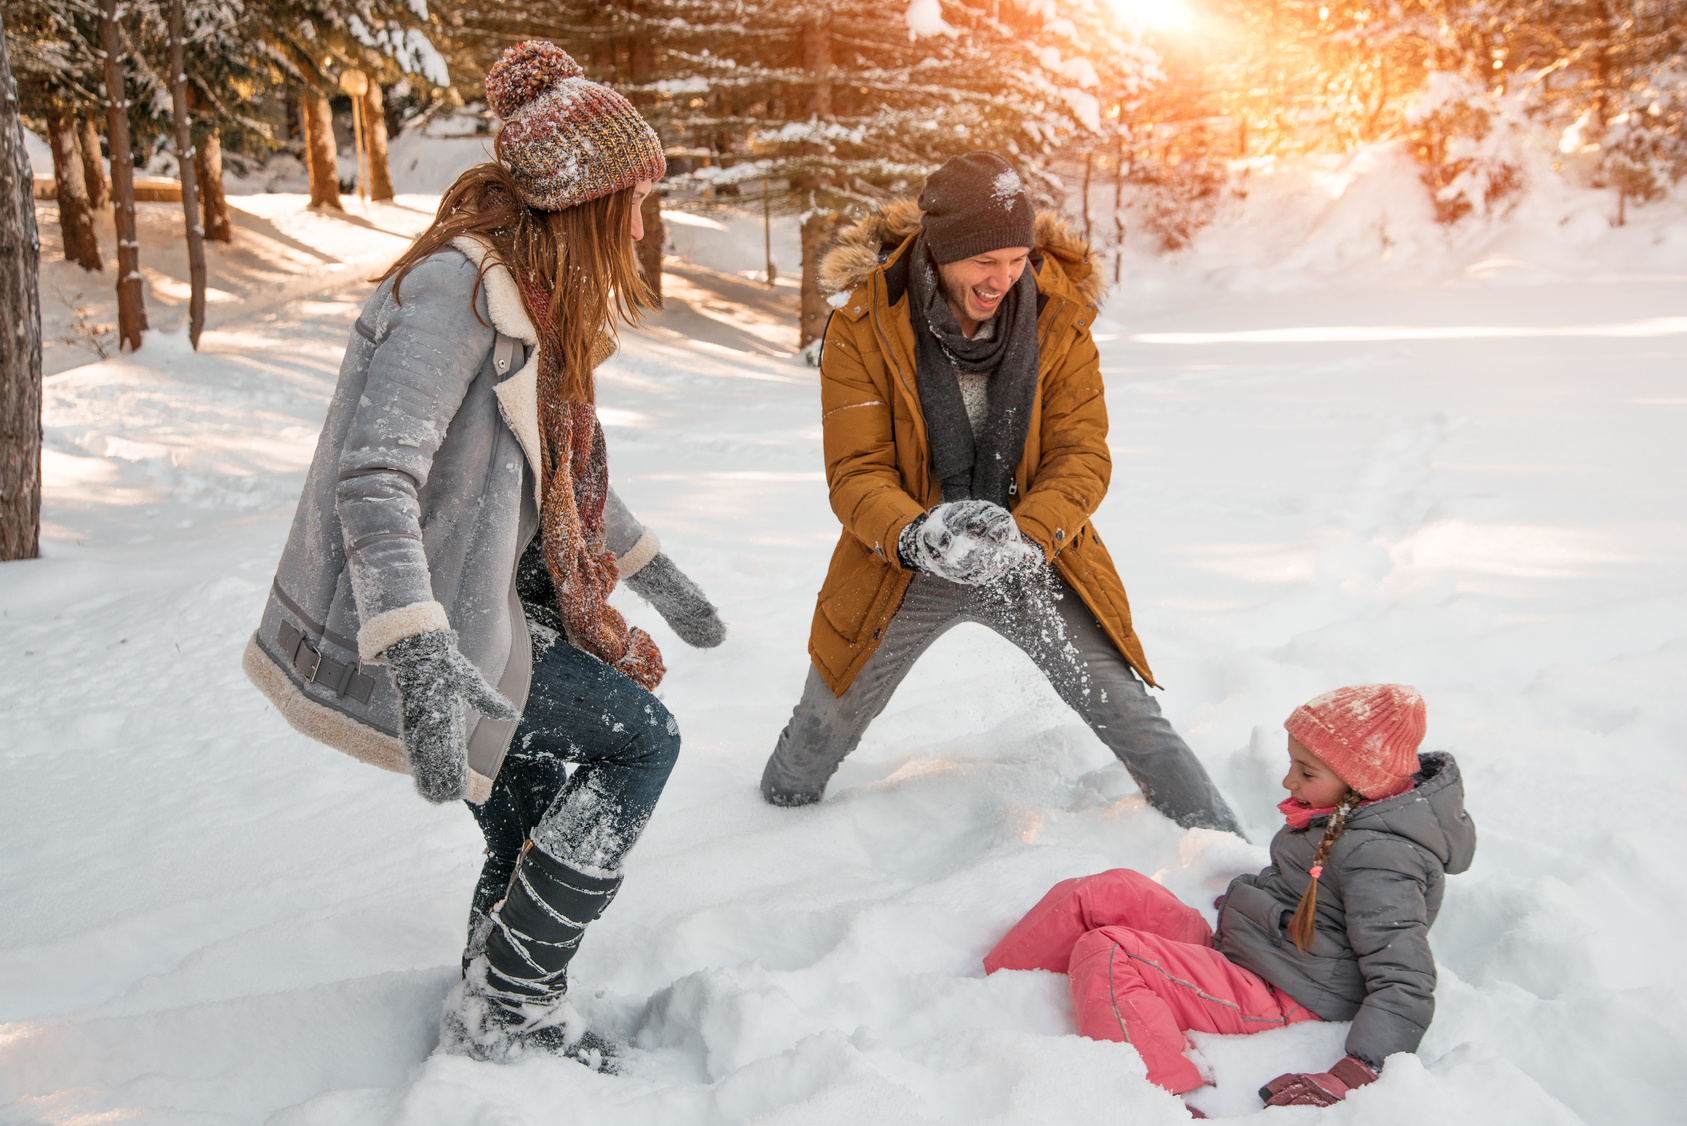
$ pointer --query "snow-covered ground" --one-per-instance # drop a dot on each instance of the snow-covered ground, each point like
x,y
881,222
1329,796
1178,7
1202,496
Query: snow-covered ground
x,y
1474,486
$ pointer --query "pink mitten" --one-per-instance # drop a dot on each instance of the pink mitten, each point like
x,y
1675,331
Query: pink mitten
x,y
1324,1088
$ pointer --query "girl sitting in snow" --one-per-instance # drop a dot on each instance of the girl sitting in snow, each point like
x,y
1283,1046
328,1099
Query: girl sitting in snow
x,y
1335,928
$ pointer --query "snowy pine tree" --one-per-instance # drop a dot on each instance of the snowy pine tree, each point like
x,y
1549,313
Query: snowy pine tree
x,y
836,105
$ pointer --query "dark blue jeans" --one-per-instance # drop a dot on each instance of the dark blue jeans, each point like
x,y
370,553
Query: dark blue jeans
x,y
622,742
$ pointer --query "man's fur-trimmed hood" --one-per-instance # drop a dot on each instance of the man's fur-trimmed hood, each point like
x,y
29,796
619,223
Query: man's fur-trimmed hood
x,y
863,247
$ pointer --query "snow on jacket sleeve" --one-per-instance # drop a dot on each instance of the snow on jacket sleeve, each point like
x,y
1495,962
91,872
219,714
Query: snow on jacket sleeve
x,y
1388,927
1075,466
859,432
430,349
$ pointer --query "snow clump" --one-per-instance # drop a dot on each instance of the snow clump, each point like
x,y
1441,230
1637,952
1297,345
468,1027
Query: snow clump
x,y
1006,188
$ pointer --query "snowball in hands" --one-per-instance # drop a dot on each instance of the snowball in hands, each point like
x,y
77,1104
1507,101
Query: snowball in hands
x,y
970,542
434,681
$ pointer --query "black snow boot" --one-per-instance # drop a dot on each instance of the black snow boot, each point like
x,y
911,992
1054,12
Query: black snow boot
x,y
537,926
513,997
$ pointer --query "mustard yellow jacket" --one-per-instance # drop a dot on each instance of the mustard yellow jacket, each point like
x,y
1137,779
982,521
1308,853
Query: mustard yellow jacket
x,y
878,460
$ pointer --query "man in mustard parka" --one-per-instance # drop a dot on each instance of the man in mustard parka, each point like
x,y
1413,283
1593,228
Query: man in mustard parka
x,y
966,449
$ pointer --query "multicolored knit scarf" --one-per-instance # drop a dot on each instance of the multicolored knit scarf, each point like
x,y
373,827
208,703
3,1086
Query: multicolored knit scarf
x,y
576,464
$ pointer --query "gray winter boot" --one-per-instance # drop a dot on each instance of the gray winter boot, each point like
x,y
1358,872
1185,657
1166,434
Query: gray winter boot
x,y
513,998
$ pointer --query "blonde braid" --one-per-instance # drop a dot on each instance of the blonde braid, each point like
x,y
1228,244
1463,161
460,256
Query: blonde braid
x,y
1302,926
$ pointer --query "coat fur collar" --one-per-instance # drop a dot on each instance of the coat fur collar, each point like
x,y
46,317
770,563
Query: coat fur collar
x,y
862,247
518,394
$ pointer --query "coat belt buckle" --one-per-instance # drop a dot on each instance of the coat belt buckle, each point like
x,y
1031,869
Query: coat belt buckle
x,y
296,645
343,679
310,673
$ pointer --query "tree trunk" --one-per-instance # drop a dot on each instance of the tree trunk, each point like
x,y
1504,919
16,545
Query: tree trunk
x,y
603,58
355,84
390,119
375,136
818,226
767,228
208,178
186,168
641,63
1089,161
817,60
131,309
1119,212
319,150
93,172
641,53
76,216
20,343
650,246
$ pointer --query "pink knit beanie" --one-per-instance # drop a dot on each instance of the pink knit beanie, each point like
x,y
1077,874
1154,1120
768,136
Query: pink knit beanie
x,y
1368,735
564,139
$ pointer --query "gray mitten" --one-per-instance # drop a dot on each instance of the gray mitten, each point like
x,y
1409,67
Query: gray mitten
x,y
970,542
681,602
434,681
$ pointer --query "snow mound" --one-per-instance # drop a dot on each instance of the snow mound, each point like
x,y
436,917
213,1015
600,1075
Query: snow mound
x,y
1309,222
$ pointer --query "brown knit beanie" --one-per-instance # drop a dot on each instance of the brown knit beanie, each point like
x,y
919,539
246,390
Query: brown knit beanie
x,y
1368,735
564,139
975,204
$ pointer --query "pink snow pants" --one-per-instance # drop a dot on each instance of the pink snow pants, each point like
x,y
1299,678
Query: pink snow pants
x,y
1142,970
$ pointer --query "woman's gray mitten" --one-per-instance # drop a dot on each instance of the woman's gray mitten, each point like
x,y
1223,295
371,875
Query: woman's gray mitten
x,y
681,602
434,681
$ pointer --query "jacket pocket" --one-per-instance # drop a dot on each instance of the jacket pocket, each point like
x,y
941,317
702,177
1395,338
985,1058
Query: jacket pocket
x,y
1258,907
855,586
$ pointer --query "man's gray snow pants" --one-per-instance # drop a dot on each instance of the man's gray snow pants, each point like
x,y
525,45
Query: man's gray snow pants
x,y
1041,615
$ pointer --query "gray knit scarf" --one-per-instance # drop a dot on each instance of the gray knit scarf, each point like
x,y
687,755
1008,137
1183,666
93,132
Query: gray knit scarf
x,y
968,467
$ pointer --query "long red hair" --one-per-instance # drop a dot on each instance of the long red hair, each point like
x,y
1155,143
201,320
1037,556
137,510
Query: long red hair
x,y
581,254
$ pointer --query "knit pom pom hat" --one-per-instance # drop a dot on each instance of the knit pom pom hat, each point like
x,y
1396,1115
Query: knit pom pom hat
x,y
566,140
1368,735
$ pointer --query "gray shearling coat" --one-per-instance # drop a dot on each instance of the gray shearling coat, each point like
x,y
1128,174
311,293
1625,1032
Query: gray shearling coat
x,y
419,502
1381,887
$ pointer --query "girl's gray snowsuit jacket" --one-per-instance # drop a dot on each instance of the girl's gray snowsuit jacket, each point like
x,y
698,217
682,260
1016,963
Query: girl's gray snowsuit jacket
x,y
1381,887
420,500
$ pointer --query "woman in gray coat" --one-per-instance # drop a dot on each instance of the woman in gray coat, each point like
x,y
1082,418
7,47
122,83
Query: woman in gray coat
x,y
441,605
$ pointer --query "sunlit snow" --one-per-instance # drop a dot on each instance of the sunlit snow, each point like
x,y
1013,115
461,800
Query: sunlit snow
x,y
1345,449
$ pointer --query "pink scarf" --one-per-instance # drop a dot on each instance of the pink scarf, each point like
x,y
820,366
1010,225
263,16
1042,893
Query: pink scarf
x,y
1300,816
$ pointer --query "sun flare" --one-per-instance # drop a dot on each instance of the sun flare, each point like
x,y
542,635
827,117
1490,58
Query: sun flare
x,y
1167,15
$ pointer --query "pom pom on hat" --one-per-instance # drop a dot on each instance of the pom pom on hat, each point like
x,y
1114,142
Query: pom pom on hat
x,y
566,140
1368,734
524,72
